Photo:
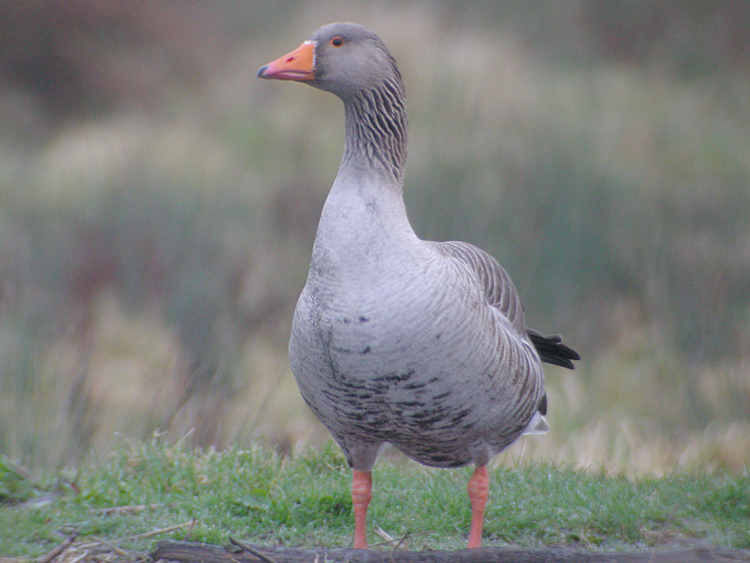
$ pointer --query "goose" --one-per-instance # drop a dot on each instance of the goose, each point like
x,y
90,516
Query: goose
x,y
395,339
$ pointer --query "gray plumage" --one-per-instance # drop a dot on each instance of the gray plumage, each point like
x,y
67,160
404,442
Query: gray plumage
x,y
394,339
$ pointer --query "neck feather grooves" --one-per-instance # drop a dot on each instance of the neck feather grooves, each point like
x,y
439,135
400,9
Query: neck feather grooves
x,y
376,129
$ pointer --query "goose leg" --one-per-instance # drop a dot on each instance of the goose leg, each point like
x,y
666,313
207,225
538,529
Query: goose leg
x,y
479,485
361,495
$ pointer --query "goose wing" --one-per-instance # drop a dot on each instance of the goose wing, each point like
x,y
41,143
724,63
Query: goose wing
x,y
502,295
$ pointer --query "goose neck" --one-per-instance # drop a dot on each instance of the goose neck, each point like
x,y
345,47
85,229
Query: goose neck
x,y
376,131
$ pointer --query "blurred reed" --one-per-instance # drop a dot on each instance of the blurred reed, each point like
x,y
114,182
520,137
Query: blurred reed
x,y
151,252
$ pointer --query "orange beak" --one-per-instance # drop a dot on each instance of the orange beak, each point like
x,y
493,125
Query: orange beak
x,y
297,65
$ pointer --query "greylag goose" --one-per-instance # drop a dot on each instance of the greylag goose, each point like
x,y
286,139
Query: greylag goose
x,y
395,339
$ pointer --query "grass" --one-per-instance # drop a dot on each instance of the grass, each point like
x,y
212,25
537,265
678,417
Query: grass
x,y
261,497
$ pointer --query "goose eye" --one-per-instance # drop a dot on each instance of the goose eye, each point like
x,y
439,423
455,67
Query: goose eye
x,y
337,41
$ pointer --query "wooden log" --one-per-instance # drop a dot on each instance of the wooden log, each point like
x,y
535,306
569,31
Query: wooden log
x,y
188,552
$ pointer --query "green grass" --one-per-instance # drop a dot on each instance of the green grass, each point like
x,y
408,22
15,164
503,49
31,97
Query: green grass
x,y
263,498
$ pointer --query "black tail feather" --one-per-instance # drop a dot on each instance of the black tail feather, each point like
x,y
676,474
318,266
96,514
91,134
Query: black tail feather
x,y
552,350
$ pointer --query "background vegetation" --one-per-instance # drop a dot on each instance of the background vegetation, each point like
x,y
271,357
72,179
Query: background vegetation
x,y
158,205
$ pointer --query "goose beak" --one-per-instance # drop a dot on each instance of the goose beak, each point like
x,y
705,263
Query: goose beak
x,y
298,65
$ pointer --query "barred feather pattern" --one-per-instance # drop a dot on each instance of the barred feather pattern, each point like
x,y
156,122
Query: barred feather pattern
x,y
376,125
498,287
412,351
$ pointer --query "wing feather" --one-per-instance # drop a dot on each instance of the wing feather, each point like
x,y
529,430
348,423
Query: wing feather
x,y
502,295
495,281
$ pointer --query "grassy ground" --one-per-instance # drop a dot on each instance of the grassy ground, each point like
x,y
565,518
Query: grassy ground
x,y
261,497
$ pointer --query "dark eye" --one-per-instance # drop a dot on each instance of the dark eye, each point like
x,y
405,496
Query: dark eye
x,y
337,41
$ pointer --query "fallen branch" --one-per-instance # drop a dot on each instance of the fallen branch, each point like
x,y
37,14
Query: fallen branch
x,y
188,552
159,531
250,549
189,530
139,536
111,546
78,558
52,555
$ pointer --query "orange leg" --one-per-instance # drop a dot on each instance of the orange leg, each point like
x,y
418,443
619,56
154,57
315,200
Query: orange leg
x,y
361,495
479,485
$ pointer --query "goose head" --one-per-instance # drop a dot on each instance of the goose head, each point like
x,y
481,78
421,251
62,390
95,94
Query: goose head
x,y
342,58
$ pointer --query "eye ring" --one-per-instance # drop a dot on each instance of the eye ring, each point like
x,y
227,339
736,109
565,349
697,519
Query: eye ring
x,y
337,41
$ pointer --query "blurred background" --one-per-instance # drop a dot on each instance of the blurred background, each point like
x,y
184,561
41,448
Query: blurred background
x,y
158,205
